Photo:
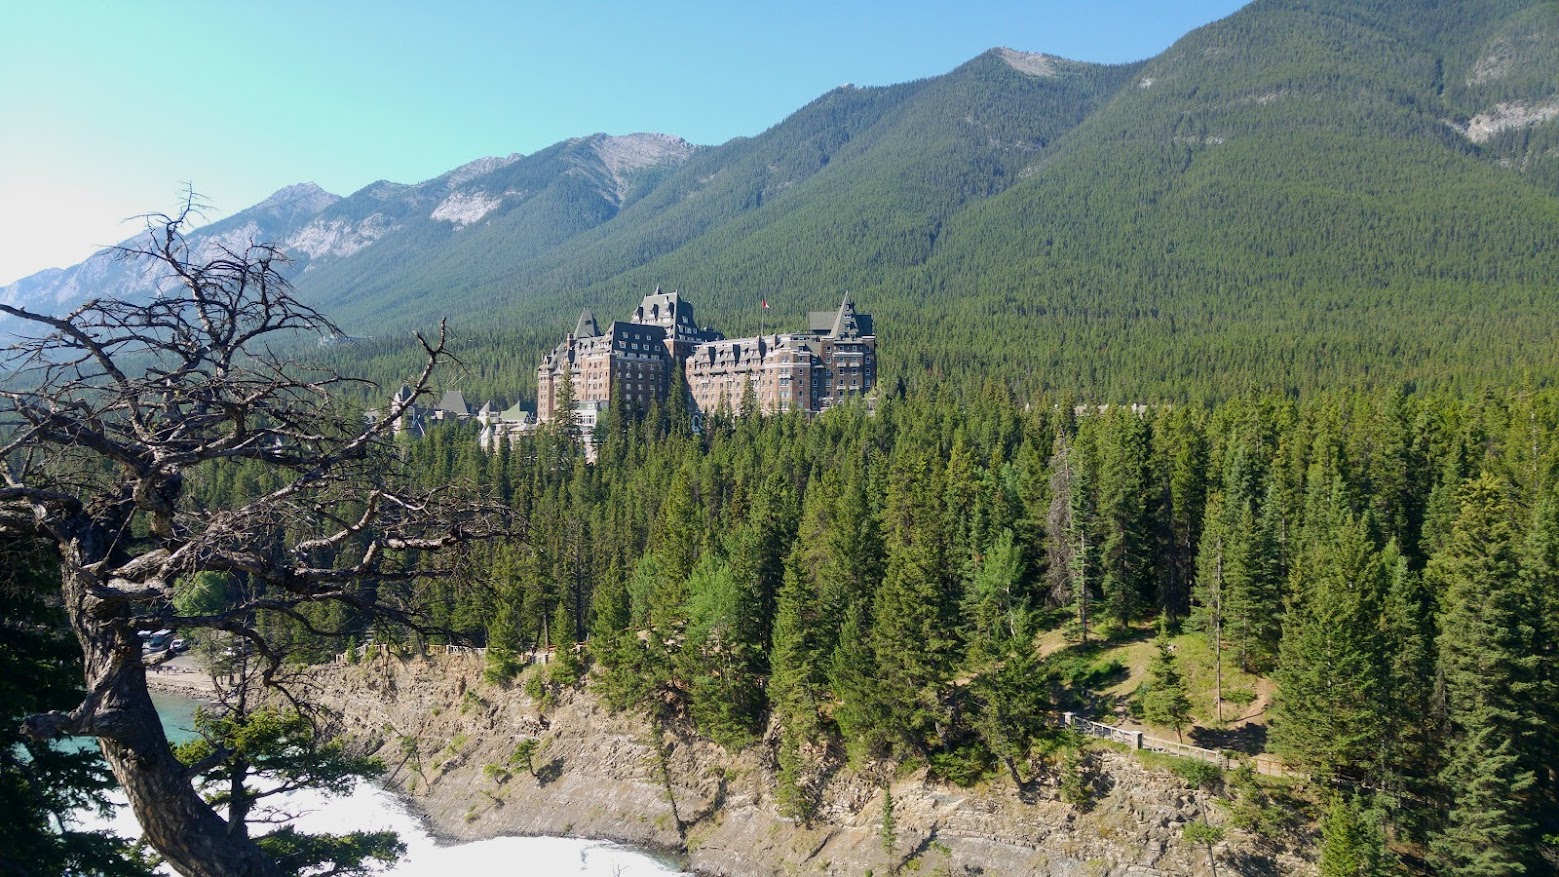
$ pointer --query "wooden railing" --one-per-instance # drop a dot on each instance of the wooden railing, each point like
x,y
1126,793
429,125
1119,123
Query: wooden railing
x,y
1139,740
534,656
1264,765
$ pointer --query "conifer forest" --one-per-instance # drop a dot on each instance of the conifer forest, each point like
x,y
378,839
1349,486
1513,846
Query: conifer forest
x,y
882,584
1218,399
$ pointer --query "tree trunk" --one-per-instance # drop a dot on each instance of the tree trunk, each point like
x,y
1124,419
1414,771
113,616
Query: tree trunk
x,y
178,823
1218,634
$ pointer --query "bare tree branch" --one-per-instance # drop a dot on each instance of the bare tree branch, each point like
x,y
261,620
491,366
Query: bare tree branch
x,y
109,413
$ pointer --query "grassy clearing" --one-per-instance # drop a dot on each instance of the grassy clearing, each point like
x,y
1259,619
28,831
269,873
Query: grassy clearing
x,y
1102,680
1245,695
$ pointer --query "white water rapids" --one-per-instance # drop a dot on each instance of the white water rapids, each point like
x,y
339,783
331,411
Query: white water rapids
x,y
370,808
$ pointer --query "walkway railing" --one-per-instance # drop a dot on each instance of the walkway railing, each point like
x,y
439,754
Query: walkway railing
x,y
534,656
1139,740
1265,765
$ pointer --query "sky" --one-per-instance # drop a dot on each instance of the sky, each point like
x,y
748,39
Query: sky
x,y
109,109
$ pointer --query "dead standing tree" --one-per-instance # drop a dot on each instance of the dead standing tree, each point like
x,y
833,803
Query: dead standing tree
x,y
95,456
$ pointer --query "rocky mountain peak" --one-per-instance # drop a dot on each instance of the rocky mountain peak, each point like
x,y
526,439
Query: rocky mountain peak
x,y
634,151
473,169
1032,63
303,197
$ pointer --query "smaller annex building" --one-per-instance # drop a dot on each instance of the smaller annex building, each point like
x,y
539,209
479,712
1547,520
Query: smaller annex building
x,y
834,359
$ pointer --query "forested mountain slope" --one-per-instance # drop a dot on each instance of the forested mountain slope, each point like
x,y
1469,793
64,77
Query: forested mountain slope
x,y
851,188
1366,585
1307,193
1304,194
449,232
485,227
1281,198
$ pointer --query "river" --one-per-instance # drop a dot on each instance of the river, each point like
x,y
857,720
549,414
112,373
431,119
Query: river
x,y
370,808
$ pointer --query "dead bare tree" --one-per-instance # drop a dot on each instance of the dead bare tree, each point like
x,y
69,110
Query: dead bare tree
x,y
105,414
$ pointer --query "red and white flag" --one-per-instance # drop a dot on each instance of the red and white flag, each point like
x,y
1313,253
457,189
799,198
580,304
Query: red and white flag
x,y
765,304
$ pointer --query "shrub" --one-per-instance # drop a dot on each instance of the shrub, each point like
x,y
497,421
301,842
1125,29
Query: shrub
x,y
1076,782
1199,774
1200,832
1240,696
963,766
525,754
502,665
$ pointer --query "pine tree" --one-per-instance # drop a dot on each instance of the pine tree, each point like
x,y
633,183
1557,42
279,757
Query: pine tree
x,y
1488,670
512,574
859,709
565,419
1187,498
846,553
1250,605
1070,547
717,661
578,560
795,684
1030,481
995,607
678,536
1126,518
1010,704
1540,581
1412,726
1352,842
1328,706
1165,702
911,635
678,408
1253,605
1211,593
960,506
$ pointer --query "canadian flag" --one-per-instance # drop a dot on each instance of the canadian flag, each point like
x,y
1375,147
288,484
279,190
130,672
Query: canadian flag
x,y
765,304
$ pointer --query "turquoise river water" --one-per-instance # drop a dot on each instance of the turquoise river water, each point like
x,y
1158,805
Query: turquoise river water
x,y
370,808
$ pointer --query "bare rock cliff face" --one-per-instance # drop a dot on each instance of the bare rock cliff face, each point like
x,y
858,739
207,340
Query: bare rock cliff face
x,y
449,741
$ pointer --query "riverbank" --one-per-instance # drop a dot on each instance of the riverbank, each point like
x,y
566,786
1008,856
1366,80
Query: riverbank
x,y
369,808
451,744
184,676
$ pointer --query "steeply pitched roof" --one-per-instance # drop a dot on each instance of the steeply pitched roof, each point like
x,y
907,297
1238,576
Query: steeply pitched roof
x,y
843,323
586,327
454,402
665,309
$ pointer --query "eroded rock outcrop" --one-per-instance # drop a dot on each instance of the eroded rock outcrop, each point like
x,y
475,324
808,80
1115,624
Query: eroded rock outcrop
x,y
450,743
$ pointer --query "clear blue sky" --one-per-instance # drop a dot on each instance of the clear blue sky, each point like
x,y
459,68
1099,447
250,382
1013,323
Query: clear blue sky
x,y
106,108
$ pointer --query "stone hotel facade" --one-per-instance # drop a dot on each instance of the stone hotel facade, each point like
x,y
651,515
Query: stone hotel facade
x,y
835,359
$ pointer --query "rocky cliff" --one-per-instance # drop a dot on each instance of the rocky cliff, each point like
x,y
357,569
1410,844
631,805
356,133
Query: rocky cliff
x,y
451,741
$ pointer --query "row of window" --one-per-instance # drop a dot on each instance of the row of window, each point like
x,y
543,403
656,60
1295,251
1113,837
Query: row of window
x,y
634,345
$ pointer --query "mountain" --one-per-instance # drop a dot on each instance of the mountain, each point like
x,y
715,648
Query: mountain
x,y
111,272
388,228
456,232
855,185
1306,193
1284,198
